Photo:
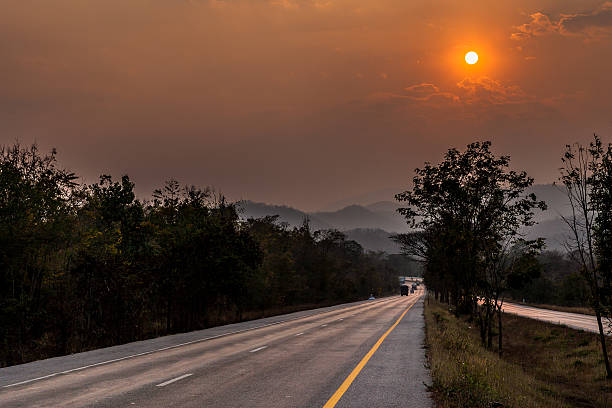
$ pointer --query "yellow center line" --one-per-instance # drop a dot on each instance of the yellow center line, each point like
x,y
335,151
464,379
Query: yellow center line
x,y
349,380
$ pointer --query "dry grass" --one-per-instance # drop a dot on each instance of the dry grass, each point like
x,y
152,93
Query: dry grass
x,y
543,365
566,358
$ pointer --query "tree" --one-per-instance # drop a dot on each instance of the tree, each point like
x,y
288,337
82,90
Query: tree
x,y
85,266
467,212
107,267
207,260
35,212
508,265
587,175
601,197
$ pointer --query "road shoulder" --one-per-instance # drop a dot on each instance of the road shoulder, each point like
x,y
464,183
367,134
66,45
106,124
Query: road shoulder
x,y
396,374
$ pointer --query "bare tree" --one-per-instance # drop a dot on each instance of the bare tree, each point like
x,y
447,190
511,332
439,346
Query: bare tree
x,y
581,173
509,264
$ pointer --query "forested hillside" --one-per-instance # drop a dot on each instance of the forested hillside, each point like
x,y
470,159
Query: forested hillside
x,y
86,266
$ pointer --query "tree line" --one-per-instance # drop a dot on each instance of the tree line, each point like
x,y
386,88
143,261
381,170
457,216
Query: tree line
x,y
84,266
468,213
559,283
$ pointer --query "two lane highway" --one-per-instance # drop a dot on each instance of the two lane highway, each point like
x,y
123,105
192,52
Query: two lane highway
x,y
573,320
301,362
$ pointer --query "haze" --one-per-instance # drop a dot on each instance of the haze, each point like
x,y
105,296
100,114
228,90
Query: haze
x,y
300,102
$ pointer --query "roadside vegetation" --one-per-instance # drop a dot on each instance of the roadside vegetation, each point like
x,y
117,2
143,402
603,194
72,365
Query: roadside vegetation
x,y
84,266
559,283
468,213
543,365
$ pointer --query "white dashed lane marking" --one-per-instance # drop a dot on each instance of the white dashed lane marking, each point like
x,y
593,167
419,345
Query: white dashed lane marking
x,y
174,380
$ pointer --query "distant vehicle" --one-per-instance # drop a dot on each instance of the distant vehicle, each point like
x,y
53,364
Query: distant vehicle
x,y
371,297
414,287
404,290
411,290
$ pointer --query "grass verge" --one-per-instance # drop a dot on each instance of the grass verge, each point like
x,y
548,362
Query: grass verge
x,y
543,365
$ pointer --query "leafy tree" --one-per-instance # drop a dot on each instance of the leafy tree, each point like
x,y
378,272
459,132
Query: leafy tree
x,y
107,263
85,266
467,213
35,213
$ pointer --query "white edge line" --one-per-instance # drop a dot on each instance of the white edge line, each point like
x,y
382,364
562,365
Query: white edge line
x,y
258,349
174,380
178,345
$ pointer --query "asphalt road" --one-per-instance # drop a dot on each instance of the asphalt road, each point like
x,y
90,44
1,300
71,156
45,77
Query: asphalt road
x,y
366,354
573,320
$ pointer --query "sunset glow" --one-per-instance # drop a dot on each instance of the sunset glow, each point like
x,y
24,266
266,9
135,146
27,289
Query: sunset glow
x,y
471,58
242,95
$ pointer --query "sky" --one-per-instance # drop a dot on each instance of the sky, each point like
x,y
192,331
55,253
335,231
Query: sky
x,y
301,102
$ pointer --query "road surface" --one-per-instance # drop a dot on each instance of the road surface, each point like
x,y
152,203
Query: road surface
x,y
365,354
573,320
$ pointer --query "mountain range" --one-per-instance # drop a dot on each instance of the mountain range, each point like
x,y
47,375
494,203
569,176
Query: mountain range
x,y
372,224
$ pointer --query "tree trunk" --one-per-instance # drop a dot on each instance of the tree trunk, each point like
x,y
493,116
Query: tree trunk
x,y
602,339
482,325
499,328
490,330
168,316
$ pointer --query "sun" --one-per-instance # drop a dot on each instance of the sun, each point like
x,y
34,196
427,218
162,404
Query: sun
x,y
471,58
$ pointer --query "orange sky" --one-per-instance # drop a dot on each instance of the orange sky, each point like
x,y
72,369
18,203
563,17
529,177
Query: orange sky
x,y
300,102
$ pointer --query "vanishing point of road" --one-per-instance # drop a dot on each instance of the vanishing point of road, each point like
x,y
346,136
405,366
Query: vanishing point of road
x,y
363,354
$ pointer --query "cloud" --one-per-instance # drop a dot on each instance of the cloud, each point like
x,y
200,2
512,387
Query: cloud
x,y
593,24
423,88
297,4
485,90
469,91
540,24
426,92
474,99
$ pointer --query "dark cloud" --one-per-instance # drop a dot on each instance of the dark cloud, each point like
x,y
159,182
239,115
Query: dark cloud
x,y
592,24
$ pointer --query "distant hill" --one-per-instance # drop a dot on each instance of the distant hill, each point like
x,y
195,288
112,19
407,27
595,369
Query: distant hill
x,y
365,199
373,240
372,222
383,206
357,216
348,218
555,231
368,226
286,214
555,198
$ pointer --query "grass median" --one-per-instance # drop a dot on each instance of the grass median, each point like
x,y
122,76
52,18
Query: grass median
x,y
543,365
